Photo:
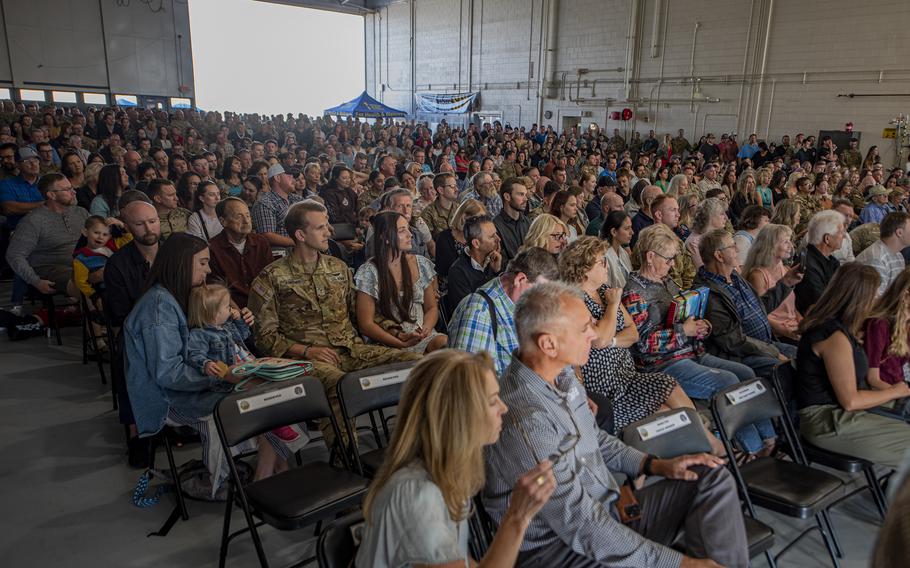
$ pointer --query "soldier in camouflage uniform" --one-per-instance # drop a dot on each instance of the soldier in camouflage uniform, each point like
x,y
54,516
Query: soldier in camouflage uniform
x,y
618,142
680,145
808,204
304,306
863,237
374,190
851,157
438,215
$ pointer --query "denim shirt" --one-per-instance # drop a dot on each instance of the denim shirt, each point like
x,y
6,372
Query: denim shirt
x,y
220,343
159,375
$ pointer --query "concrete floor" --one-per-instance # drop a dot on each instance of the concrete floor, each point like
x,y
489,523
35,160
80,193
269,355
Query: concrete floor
x,y
65,486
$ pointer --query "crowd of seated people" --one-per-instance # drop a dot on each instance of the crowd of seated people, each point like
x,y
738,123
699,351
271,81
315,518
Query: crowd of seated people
x,y
551,258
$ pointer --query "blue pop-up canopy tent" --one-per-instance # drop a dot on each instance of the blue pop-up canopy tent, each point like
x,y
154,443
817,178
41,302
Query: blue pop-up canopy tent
x,y
365,106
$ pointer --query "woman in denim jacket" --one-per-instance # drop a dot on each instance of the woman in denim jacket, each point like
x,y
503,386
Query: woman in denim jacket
x,y
164,386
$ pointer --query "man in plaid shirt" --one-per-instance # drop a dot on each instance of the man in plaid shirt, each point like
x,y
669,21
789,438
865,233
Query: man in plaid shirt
x,y
548,419
473,328
740,330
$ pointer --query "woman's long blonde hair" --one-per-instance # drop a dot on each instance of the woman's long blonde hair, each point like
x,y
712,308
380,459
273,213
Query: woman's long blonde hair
x,y
442,423
893,306
763,253
540,229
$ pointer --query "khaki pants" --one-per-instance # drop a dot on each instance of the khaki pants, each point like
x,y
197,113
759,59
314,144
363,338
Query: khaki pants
x,y
878,439
354,359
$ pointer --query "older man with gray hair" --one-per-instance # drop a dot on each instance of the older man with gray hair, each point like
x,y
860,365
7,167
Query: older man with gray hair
x,y
484,190
824,235
549,419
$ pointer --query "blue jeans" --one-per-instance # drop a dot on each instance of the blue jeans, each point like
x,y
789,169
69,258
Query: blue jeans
x,y
702,377
764,366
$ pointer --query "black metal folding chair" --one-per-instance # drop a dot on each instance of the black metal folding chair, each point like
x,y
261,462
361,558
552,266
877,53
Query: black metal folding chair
x,y
679,432
809,454
91,338
337,545
291,500
369,392
790,488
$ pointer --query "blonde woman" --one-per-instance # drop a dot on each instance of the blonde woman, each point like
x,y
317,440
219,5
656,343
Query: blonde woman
x,y
450,243
417,507
711,214
787,213
887,337
764,188
764,267
547,232
679,186
745,194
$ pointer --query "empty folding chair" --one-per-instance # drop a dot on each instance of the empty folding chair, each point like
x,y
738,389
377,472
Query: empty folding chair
x,y
365,392
679,432
808,454
337,545
291,500
790,488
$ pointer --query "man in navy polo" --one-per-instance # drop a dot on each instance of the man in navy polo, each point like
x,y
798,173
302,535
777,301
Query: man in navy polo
x,y
19,194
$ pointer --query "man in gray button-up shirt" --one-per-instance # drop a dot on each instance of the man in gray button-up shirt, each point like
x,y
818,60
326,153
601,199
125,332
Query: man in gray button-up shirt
x,y
549,418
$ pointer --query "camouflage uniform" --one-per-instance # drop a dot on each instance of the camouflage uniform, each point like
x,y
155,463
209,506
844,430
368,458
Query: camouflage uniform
x,y
808,206
367,197
619,143
173,221
437,218
863,236
507,170
48,169
703,187
314,305
851,158
679,146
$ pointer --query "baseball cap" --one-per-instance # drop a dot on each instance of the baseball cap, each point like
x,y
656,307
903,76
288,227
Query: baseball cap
x,y
26,153
275,170
606,181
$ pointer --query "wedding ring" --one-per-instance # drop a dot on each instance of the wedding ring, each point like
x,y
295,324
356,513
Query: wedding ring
x,y
540,480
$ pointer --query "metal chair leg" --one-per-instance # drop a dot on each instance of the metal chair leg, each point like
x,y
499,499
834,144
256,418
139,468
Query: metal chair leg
x,y
770,559
226,530
837,548
827,539
175,474
878,496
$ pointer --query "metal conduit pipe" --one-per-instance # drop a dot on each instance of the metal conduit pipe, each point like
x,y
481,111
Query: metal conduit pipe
x,y
660,80
655,28
764,62
770,107
692,62
742,85
471,45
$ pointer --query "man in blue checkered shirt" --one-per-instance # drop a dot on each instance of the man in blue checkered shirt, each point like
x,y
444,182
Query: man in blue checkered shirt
x,y
581,525
740,330
472,327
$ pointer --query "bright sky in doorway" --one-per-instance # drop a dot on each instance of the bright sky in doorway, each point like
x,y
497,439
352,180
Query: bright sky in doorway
x,y
251,56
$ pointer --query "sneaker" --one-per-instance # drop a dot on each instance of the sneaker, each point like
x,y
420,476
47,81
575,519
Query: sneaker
x,y
286,433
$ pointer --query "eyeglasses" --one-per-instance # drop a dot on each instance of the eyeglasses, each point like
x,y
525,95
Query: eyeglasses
x,y
667,259
559,236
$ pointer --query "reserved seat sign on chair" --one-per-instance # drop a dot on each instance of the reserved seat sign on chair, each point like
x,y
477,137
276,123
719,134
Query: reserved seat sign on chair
x,y
367,392
293,499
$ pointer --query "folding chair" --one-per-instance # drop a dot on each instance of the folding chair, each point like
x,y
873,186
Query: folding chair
x,y
789,488
337,545
164,438
91,339
809,454
47,301
481,529
292,499
367,392
679,432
